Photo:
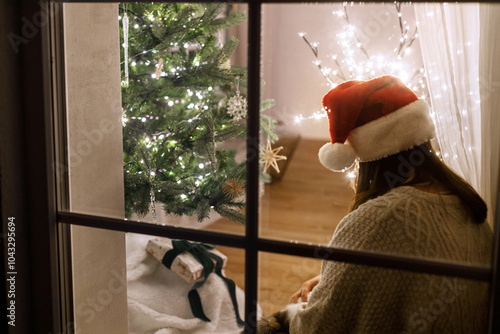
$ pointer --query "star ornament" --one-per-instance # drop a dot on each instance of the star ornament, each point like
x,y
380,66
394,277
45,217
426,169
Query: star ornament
x,y
234,187
269,156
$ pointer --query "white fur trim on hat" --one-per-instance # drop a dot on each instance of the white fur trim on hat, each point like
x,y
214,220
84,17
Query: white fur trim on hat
x,y
399,131
336,156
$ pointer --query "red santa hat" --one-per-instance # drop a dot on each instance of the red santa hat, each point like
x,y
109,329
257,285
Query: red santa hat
x,y
371,120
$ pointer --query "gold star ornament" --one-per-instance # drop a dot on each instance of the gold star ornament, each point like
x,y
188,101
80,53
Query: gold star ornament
x,y
269,156
234,188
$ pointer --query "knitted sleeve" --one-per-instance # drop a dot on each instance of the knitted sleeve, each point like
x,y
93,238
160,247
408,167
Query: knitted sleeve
x,y
342,301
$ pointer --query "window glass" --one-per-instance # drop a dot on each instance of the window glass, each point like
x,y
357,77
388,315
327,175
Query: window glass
x,y
163,143
157,112
136,283
156,118
407,204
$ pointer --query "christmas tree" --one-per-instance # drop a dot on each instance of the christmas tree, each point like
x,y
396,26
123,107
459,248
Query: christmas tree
x,y
181,99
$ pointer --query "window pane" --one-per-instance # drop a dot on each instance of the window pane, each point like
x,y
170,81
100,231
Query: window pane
x,y
156,109
128,283
371,300
406,201
161,157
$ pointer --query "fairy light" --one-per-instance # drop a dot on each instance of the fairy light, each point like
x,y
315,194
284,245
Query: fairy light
x,y
316,115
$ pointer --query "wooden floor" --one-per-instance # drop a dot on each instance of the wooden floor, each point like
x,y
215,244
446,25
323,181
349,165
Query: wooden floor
x,y
305,205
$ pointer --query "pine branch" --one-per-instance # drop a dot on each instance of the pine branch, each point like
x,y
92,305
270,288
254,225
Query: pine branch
x,y
231,214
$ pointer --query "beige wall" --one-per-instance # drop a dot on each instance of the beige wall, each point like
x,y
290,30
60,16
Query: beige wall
x,y
95,156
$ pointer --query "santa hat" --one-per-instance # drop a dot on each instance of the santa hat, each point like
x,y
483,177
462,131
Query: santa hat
x,y
371,120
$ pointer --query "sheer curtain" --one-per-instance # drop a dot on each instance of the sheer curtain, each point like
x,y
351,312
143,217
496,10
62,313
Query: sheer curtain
x,y
459,44
489,85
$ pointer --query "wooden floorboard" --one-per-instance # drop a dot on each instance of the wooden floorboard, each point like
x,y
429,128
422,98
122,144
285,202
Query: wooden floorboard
x,y
305,205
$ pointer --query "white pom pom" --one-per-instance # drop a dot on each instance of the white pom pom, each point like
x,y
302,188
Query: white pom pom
x,y
337,156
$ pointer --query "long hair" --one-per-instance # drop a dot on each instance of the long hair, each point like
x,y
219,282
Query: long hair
x,y
417,166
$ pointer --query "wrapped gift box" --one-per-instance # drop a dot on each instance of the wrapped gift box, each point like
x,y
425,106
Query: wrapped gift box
x,y
185,264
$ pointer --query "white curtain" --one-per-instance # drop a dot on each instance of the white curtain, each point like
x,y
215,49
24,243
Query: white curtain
x,y
459,44
489,85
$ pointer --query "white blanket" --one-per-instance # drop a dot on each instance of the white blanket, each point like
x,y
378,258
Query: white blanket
x,y
158,303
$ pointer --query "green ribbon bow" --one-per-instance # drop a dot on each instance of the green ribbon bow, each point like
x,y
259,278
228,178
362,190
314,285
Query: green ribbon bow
x,y
202,254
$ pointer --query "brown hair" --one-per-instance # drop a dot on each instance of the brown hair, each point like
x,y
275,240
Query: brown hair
x,y
417,166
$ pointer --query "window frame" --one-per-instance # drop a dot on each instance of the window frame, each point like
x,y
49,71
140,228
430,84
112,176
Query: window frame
x,y
47,191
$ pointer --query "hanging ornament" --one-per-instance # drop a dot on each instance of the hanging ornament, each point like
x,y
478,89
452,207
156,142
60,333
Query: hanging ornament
x,y
159,69
270,157
237,105
125,22
233,188
153,205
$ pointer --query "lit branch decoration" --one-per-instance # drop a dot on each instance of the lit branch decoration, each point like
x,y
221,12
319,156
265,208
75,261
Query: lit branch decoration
x,y
404,42
356,63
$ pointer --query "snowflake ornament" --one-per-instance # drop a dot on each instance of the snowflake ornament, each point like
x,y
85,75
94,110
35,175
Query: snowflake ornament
x,y
237,107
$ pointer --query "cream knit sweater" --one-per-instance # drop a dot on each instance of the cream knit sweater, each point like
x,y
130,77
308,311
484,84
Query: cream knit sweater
x,y
362,299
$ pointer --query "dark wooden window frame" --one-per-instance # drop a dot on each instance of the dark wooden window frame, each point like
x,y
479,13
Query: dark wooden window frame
x,y
42,75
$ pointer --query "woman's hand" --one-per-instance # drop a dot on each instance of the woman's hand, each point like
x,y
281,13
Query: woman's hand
x,y
304,291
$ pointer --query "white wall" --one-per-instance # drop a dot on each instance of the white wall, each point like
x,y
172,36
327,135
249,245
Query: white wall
x,y
96,172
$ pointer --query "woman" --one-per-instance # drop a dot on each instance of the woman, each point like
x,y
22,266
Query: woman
x,y
407,202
